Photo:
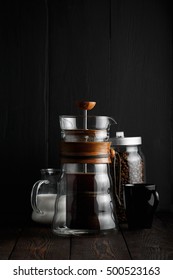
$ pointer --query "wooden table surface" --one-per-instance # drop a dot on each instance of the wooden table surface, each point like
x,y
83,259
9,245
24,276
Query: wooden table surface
x,y
37,242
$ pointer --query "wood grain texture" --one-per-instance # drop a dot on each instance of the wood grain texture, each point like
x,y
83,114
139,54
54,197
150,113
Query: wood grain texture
x,y
8,239
153,244
38,243
108,247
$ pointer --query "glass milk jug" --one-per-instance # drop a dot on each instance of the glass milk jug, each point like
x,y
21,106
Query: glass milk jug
x,y
43,195
85,201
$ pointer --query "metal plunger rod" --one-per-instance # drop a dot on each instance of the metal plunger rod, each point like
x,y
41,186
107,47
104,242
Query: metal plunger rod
x,y
85,119
86,106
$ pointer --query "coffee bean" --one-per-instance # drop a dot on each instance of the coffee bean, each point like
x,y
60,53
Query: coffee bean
x,y
129,170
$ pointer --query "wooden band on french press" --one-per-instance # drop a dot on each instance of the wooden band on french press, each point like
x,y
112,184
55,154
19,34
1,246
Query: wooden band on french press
x,y
85,152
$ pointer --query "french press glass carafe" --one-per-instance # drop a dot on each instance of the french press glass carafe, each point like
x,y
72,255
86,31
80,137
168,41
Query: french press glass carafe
x,y
85,199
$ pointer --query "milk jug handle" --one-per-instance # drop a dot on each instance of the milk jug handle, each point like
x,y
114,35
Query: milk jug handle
x,y
34,194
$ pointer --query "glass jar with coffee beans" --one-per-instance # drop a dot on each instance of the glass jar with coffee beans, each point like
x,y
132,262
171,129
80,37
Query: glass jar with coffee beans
x,y
129,167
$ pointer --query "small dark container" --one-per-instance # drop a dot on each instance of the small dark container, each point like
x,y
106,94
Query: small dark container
x,y
141,201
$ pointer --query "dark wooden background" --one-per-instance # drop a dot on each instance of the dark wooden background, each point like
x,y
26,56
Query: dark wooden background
x,y
54,52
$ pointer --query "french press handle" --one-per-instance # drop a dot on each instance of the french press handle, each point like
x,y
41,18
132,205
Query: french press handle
x,y
115,156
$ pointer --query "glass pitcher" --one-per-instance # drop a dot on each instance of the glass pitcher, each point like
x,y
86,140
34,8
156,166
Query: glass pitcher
x,y
43,195
85,201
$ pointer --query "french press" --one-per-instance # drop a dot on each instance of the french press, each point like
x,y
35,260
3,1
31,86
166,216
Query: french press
x,y
85,199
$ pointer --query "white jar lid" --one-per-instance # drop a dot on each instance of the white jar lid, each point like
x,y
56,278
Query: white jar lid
x,y
120,140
